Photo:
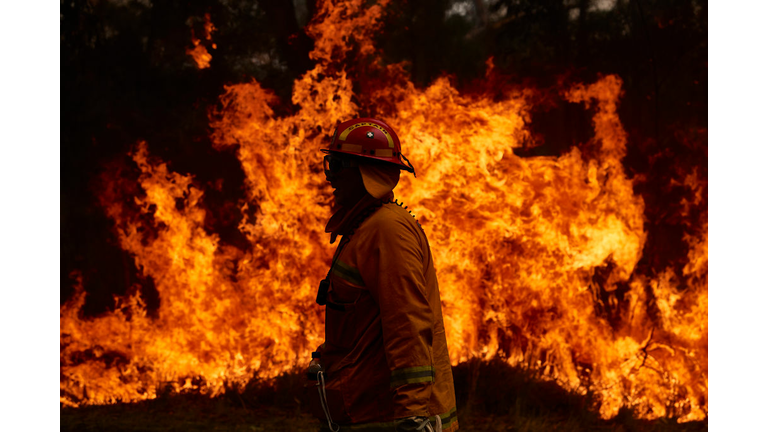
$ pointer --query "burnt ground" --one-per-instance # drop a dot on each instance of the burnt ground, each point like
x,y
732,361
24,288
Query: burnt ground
x,y
491,396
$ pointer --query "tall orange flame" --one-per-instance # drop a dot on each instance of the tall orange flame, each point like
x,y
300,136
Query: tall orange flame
x,y
518,243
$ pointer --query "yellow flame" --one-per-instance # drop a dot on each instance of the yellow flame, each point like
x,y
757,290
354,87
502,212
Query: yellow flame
x,y
517,243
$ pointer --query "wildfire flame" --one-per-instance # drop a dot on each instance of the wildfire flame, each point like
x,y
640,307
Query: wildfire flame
x,y
198,52
529,251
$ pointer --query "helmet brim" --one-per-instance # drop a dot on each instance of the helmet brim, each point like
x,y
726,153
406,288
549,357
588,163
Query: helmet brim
x,y
370,159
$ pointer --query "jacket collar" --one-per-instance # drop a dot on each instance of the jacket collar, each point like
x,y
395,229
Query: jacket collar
x,y
345,218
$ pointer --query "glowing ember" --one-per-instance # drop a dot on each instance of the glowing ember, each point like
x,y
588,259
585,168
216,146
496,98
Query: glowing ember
x,y
530,252
198,52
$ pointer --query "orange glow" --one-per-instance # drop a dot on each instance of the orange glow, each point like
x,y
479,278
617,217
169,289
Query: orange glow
x,y
198,52
518,245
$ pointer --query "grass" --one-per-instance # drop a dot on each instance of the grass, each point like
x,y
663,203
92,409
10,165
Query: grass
x,y
491,396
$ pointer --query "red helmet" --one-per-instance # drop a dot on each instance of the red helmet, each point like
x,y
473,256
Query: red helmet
x,y
369,138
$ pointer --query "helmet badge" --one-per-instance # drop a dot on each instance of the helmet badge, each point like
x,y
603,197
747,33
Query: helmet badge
x,y
369,134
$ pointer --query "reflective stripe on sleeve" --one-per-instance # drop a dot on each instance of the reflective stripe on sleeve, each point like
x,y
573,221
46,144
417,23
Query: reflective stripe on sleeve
x,y
348,273
412,375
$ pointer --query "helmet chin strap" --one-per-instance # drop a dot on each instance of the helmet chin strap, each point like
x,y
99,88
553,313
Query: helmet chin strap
x,y
409,164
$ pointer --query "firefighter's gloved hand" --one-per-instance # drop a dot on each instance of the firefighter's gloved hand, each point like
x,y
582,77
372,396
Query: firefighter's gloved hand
x,y
413,424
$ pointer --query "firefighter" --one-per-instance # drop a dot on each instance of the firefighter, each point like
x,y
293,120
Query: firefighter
x,y
384,365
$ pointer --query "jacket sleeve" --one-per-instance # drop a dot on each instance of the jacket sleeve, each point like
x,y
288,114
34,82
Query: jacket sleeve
x,y
392,269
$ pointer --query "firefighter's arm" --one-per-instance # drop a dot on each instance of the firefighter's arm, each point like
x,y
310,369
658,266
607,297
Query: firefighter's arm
x,y
393,271
321,349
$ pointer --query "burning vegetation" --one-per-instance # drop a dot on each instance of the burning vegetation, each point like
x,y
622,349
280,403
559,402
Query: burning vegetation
x,y
198,52
544,261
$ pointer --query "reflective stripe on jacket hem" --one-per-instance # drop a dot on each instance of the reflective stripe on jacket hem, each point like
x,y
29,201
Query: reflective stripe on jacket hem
x,y
450,421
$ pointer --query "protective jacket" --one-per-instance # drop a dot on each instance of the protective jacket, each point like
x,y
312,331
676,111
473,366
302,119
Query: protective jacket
x,y
385,352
